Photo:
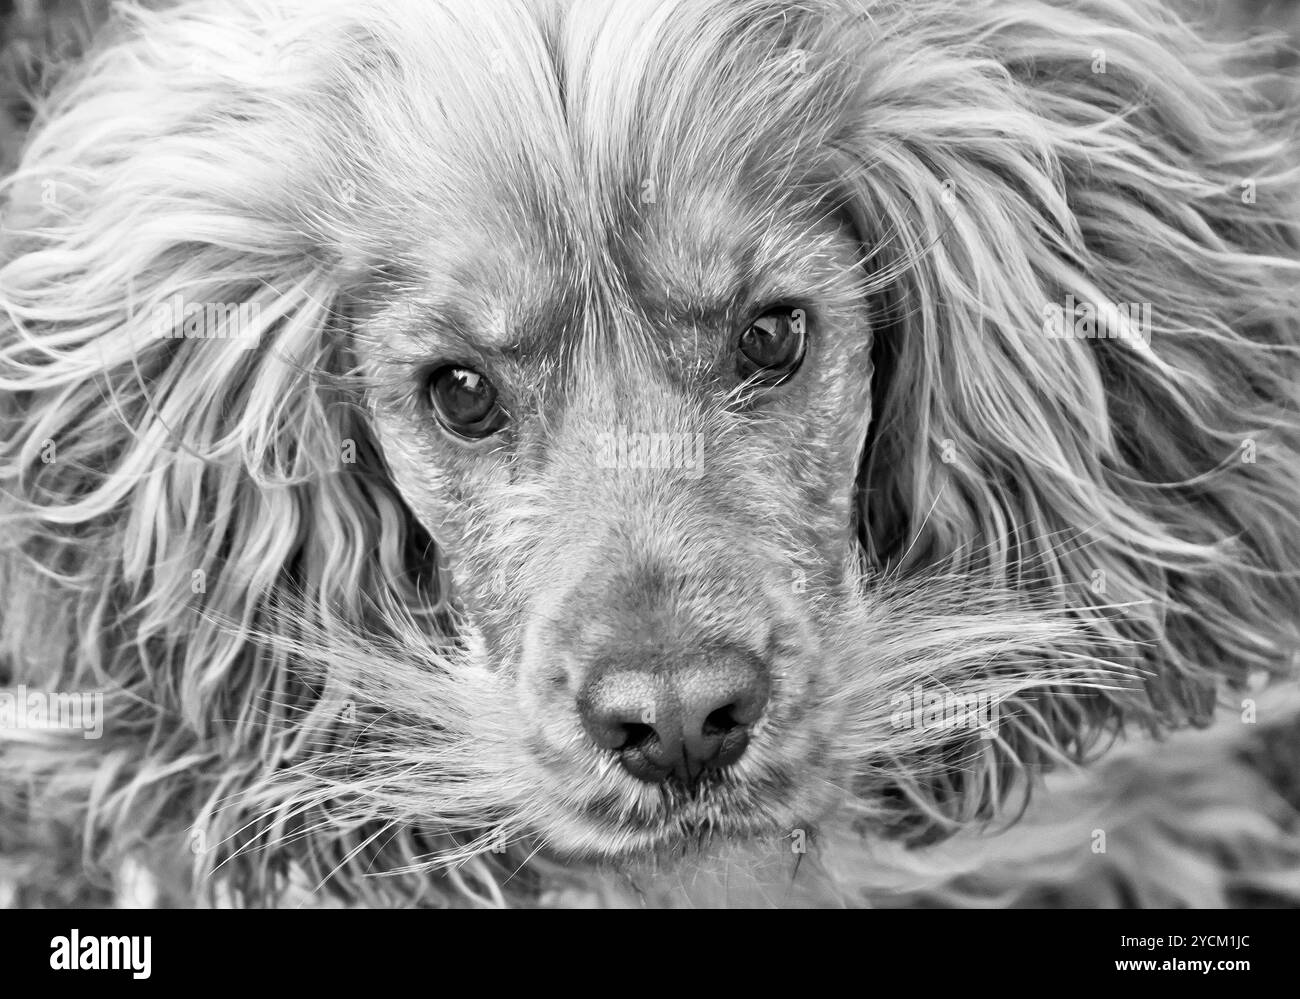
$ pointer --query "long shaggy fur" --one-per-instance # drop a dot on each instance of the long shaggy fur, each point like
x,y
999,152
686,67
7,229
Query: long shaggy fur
x,y
1102,535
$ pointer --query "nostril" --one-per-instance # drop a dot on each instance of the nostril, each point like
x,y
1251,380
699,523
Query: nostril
x,y
723,691
618,706
635,736
721,721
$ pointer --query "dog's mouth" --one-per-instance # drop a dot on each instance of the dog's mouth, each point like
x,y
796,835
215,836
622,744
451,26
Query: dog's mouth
x,y
629,820
689,817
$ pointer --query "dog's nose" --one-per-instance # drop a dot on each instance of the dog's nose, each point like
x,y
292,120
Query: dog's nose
x,y
674,714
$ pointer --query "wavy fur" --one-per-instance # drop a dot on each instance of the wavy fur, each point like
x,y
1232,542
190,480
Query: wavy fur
x,y
293,695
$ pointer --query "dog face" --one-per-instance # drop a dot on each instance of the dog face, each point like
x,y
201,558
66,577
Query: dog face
x,y
639,453
707,404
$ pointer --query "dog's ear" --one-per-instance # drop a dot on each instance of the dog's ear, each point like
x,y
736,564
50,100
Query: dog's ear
x,y
1083,229
183,464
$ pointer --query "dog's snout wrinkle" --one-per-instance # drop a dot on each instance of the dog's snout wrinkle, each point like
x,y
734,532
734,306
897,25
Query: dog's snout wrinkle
x,y
671,713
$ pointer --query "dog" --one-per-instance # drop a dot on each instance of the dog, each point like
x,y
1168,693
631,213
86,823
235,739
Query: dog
x,y
561,452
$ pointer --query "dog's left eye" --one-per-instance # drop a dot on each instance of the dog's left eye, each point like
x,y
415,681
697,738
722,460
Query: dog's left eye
x,y
771,349
466,402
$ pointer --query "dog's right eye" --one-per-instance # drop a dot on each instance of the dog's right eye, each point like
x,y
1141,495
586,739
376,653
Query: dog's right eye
x,y
465,402
771,348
